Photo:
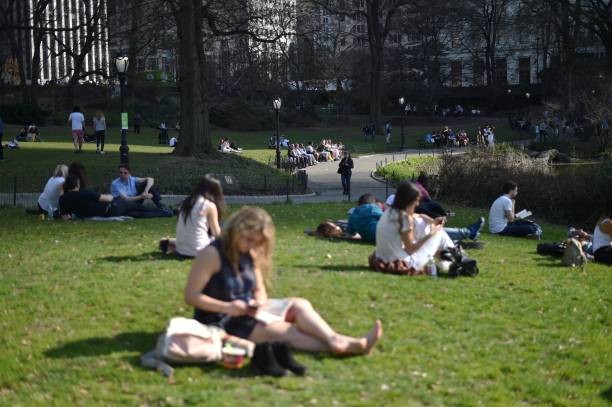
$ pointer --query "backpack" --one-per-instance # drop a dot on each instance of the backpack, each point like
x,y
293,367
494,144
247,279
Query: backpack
x,y
461,265
187,341
573,255
551,249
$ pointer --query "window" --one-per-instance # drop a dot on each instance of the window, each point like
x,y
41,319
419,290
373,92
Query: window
x,y
456,68
525,71
501,71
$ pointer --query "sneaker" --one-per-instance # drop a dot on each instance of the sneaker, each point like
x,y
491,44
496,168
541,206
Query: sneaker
x,y
476,227
102,152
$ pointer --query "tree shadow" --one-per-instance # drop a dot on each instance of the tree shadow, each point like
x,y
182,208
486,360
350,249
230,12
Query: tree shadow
x,y
340,267
137,341
152,256
606,394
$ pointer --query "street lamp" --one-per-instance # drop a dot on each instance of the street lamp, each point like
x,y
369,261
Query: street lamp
x,y
277,106
121,64
528,95
401,102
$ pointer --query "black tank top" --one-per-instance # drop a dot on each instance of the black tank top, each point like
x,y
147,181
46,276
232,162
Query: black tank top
x,y
227,285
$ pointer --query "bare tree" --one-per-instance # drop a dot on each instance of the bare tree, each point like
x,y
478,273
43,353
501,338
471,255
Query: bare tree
x,y
379,16
597,105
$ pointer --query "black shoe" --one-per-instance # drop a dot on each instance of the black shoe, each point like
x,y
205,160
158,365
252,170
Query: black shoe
x,y
285,359
264,361
163,245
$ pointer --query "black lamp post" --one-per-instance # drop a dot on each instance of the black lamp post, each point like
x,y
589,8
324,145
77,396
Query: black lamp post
x,y
277,106
121,63
401,102
527,96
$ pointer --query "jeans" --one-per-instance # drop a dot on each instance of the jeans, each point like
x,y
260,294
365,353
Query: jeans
x,y
121,207
346,183
458,233
100,135
522,228
153,191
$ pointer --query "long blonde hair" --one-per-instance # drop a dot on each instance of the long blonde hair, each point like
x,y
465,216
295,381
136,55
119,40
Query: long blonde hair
x,y
250,220
61,170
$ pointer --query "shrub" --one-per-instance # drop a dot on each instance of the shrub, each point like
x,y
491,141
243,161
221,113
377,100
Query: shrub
x,y
570,194
22,114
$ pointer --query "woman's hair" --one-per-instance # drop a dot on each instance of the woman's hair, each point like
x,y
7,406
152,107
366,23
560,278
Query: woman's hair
x,y
329,229
249,220
405,195
99,114
61,170
72,181
76,109
77,169
422,179
208,188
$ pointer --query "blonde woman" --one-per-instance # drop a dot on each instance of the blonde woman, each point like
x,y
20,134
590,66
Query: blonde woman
x,y
226,286
99,124
48,201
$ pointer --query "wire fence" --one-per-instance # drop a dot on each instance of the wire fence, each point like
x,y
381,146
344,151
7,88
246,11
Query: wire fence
x,y
24,190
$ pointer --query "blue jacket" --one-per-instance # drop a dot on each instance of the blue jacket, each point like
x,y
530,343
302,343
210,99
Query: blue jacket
x,y
363,220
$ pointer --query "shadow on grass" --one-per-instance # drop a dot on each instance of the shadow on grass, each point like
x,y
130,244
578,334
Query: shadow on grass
x,y
339,267
607,394
128,341
152,256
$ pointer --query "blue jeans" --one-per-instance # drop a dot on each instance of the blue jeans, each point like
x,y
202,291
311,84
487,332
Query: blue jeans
x,y
522,228
458,233
346,183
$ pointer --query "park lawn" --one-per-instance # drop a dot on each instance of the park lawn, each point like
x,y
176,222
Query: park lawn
x,y
82,301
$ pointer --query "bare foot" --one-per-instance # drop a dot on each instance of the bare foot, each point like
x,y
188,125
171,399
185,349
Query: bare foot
x,y
373,336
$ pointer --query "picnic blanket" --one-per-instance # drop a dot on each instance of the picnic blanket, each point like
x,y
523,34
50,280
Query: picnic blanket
x,y
109,218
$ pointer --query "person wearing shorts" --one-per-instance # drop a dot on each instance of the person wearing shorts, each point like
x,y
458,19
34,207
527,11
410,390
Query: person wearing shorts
x,y
77,123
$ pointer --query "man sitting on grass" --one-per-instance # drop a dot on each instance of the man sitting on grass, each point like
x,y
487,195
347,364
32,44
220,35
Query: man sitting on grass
x,y
502,219
364,218
134,189
87,203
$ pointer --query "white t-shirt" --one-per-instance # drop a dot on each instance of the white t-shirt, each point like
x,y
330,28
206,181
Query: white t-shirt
x,y
601,239
77,119
389,245
49,199
193,235
497,214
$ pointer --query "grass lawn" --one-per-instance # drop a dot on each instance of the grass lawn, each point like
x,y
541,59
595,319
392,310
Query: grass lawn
x,y
82,301
33,162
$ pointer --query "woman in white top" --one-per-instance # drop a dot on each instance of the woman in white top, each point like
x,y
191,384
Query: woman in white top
x,y
198,221
602,238
404,235
48,201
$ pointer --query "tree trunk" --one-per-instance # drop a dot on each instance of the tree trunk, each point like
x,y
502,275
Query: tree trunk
x,y
376,44
193,129
135,12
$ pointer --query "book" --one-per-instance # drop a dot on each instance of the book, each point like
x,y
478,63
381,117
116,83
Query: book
x,y
274,310
523,214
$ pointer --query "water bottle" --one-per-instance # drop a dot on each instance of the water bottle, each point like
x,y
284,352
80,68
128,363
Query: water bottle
x,y
50,213
432,270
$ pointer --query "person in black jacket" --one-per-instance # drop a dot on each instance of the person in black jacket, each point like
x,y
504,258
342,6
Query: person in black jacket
x,y
345,170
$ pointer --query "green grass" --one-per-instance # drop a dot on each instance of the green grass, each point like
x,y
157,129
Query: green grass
x,y
82,301
408,169
37,160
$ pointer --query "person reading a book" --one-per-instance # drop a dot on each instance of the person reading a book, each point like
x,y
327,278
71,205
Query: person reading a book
x,y
504,221
226,286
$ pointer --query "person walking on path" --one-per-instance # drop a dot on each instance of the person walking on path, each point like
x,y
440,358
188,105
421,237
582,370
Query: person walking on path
x,y
137,123
99,123
345,170
388,132
77,123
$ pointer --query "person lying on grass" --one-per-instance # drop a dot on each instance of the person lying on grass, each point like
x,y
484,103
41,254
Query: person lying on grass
x,y
226,286
403,235
198,221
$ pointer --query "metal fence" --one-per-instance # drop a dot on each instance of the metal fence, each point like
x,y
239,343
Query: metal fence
x,y
24,190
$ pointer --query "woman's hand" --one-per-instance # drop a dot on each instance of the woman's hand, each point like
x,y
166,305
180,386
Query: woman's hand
x,y
435,228
237,308
441,220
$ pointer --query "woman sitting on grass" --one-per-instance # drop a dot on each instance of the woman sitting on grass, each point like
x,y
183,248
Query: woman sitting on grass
x,y
198,221
226,286
48,201
602,238
402,235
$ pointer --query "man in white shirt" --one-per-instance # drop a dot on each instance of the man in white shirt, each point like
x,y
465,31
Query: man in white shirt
x,y
77,123
502,219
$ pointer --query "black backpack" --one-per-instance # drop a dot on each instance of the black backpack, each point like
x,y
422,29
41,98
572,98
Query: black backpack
x,y
461,265
551,249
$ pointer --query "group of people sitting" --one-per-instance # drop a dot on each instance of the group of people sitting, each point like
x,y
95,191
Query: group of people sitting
x,y
67,195
308,155
447,137
227,146
28,133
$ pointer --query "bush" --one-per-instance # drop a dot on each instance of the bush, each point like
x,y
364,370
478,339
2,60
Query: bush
x,y
23,115
570,194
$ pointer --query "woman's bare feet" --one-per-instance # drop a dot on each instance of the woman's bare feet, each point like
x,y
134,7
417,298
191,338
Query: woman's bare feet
x,y
346,345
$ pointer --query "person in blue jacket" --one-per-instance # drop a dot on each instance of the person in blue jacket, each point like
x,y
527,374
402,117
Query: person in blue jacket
x,y
364,218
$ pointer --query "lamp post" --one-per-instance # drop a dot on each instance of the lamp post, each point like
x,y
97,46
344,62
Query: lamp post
x,y
277,106
527,96
121,64
401,102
